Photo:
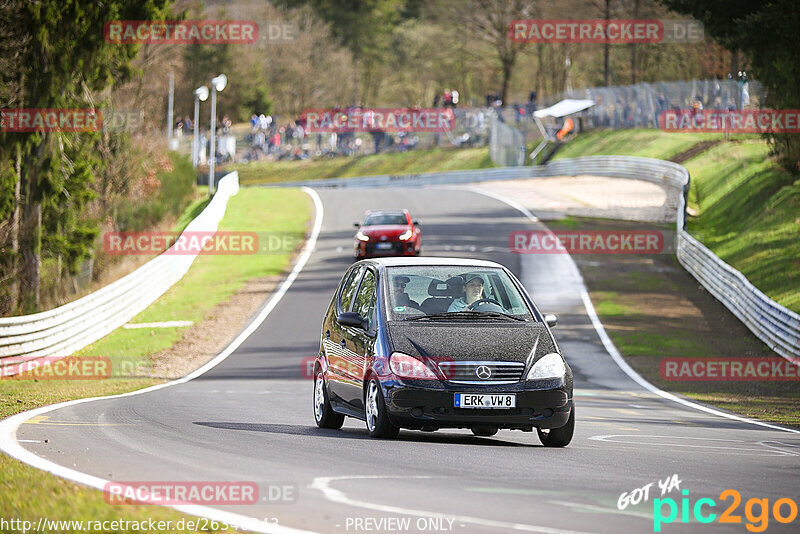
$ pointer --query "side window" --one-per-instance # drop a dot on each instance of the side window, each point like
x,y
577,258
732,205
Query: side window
x,y
349,289
366,298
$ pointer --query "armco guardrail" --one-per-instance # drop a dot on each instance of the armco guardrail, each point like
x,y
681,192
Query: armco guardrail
x,y
774,324
61,331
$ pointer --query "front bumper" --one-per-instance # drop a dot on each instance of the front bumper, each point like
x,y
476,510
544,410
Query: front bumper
x,y
429,404
398,248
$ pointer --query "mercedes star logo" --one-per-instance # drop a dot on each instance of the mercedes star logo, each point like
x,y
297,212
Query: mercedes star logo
x,y
483,372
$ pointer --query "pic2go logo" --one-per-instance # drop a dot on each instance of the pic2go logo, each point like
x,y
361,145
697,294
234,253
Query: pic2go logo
x,y
758,521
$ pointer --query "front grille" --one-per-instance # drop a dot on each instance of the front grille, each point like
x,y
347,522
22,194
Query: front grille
x,y
397,248
469,371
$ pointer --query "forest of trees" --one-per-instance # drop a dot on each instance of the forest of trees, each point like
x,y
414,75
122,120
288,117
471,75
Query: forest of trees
x,y
60,190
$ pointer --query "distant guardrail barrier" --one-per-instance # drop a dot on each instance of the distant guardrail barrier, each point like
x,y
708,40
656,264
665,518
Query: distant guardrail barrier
x,y
61,331
775,325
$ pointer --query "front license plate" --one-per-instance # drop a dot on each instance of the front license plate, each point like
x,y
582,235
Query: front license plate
x,y
383,246
476,400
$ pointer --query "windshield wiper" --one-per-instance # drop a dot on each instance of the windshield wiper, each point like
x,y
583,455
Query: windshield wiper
x,y
464,314
501,314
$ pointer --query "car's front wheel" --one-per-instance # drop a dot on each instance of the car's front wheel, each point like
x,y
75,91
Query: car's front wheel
x,y
323,412
558,437
378,423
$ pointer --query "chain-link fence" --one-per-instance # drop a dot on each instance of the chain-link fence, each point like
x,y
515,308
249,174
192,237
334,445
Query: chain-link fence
x,y
638,106
506,144
634,106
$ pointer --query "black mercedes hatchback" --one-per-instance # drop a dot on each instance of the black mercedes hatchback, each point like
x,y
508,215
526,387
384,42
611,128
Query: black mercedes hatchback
x,y
430,343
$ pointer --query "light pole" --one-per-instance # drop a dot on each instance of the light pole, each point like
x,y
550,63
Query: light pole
x,y
200,94
169,110
217,84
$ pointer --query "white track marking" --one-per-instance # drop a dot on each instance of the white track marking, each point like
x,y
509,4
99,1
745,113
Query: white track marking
x,y
612,350
8,426
323,484
788,452
617,357
762,452
601,509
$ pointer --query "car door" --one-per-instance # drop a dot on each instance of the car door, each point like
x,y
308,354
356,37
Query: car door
x,y
335,341
363,339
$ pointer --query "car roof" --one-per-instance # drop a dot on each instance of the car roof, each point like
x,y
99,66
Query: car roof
x,y
429,261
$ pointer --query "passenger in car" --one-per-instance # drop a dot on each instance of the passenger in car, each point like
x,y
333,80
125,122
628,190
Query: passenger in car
x,y
473,291
401,298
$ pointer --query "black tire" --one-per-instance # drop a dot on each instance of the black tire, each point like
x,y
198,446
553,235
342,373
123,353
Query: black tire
x,y
558,437
323,411
375,415
484,431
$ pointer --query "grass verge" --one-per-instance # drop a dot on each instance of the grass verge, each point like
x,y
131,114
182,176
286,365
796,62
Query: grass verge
x,y
212,278
28,493
415,161
653,309
646,143
745,208
749,215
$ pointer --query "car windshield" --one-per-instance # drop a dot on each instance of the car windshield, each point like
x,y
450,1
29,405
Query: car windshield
x,y
385,218
432,293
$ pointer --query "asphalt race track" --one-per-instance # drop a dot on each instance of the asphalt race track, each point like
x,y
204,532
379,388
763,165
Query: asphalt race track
x,y
250,418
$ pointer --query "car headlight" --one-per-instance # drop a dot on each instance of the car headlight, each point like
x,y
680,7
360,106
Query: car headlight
x,y
406,366
406,235
549,366
362,236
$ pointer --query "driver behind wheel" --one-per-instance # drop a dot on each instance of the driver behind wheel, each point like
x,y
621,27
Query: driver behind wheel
x,y
473,292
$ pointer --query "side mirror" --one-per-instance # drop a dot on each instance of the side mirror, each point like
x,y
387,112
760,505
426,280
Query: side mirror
x,y
350,319
357,225
416,223
550,319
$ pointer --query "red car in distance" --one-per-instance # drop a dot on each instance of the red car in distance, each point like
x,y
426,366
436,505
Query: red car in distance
x,y
387,233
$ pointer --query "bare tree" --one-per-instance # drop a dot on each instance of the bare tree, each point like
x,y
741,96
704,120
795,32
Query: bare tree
x,y
606,48
488,21
634,65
